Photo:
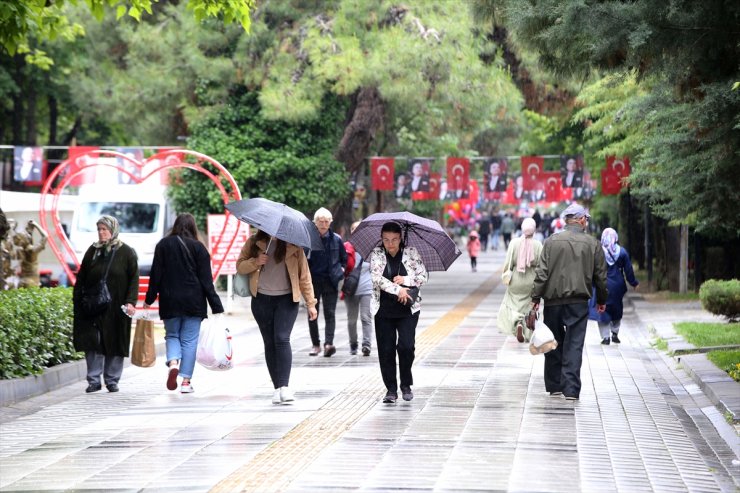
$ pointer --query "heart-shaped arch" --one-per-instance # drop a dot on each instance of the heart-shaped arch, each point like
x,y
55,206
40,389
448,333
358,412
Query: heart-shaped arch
x,y
66,172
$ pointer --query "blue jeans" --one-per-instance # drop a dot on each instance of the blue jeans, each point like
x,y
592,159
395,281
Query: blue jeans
x,y
181,340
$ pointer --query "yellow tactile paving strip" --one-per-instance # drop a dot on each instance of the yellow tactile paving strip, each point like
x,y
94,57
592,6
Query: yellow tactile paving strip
x,y
276,466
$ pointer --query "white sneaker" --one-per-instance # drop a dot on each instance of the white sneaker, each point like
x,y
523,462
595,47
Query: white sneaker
x,y
186,388
276,397
286,395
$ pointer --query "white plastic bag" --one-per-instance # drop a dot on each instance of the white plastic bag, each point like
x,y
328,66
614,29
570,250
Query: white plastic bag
x,y
214,346
543,340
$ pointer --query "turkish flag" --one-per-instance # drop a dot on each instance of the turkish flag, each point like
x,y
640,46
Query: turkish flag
x,y
531,171
458,172
621,166
553,185
382,170
434,180
610,182
78,160
507,197
420,196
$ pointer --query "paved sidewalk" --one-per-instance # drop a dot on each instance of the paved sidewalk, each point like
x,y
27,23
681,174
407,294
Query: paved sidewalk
x,y
480,420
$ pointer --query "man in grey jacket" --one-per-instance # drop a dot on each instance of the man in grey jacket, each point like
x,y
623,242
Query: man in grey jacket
x,y
570,265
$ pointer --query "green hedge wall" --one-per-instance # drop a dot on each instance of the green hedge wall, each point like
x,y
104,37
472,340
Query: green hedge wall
x,y
721,297
35,330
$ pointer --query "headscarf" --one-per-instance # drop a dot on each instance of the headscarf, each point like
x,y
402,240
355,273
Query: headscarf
x,y
111,223
525,256
609,239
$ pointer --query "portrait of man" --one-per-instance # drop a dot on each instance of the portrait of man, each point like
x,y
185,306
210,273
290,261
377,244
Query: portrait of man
x,y
419,170
130,166
28,165
571,171
495,174
403,186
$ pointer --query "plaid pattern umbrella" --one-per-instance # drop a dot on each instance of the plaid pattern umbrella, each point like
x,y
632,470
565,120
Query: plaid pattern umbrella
x,y
436,248
277,220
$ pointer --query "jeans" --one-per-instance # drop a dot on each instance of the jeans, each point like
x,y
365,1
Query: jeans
x,y
275,316
494,239
181,341
326,290
98,363
359,305
606,327
563,364
386,330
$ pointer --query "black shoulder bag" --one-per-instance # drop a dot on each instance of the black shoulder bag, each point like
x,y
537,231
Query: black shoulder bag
x,y
349,288
97,299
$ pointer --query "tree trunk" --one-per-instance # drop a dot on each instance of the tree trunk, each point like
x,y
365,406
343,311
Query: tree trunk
x,y
672,256
53,117
18,102
31,95
364,119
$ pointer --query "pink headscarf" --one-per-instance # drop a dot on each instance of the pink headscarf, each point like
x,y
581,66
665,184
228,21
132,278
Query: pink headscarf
x,y
525,256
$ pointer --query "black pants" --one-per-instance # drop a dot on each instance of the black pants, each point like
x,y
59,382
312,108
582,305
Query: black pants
x,y
563,364
386,330
507,239
484,241
276,316
327,291
473,262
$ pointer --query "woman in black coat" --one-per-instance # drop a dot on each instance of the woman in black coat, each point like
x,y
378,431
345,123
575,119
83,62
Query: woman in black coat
x,y
181,276
106,338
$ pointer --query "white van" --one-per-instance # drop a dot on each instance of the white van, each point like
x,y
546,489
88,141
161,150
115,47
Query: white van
x,y
142,212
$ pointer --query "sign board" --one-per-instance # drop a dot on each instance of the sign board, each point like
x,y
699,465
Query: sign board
x,y
220,250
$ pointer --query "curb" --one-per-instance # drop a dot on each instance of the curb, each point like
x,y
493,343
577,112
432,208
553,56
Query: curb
x,y
722,390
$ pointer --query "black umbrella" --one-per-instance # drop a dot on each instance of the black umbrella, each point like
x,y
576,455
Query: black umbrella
x,y
436,248
278,220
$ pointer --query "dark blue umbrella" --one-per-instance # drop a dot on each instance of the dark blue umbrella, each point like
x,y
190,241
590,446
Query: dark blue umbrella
x,y
436,248
278,220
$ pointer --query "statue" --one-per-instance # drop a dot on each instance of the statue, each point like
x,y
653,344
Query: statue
x,y
9,254
28,254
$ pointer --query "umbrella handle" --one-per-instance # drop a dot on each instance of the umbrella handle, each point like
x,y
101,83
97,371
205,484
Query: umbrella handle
x,y
267,249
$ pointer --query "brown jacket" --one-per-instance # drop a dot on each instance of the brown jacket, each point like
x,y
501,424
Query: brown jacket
x,y
296,263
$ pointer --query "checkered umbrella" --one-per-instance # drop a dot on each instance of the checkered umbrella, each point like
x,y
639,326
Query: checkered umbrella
x,y
436,248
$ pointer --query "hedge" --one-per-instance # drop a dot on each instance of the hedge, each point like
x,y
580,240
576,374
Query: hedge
x,y
35,330
721,297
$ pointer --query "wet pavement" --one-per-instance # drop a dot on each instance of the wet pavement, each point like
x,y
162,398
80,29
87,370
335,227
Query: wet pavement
x,y
480,419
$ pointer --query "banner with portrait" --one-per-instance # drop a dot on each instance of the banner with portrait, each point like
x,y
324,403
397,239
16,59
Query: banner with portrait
x,y
29,166
495,170
381,171
419,171
129,171
571,171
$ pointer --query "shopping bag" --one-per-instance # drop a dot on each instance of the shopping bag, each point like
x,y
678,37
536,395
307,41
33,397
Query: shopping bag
x,y
214,346
542,340
143,353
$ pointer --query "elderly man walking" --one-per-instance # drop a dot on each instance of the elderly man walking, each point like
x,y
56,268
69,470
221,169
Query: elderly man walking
x,y
571,264
327,269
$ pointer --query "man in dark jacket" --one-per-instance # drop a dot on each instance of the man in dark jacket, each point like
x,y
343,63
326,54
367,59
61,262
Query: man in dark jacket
x,y
327,269
570,266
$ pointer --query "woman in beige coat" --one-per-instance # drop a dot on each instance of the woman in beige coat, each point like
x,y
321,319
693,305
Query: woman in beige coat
x,y
521,260
278,277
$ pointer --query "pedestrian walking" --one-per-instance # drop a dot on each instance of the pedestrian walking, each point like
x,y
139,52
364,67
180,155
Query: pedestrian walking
x,y
105,337
508,226
618,266
495,229
357,291
474,247
327,269
181,278
278,276
522,257
571,265
397,273
484,231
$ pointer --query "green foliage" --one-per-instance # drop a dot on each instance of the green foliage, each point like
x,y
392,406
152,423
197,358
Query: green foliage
x,y
35,330
721,298
702,334
728,361
290,163
41,19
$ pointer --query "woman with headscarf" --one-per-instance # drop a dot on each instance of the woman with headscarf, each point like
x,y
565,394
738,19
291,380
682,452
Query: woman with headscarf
x,y
618,266
518,271
105,338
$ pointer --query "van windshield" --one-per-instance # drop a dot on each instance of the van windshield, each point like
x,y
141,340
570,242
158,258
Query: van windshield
x,y
132,217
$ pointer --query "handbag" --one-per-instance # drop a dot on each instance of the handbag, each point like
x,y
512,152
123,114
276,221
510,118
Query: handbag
x,y
241,285
143,353
96,299
214,346
349,288
542,340
506,277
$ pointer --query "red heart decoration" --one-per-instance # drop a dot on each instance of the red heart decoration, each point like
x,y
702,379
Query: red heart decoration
x,y
80,165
